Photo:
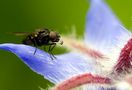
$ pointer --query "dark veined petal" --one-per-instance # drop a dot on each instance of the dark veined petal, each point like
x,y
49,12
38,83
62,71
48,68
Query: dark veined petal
x,y
103,29
56,70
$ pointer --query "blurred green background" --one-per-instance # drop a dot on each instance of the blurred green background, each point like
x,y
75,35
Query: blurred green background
x,y
27,15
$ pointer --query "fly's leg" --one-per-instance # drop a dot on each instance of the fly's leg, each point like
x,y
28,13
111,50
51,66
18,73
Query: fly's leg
x,y
35,50
35,45
51,47
49,51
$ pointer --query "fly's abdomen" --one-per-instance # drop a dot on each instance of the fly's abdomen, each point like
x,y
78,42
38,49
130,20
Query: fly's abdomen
x,y
27,41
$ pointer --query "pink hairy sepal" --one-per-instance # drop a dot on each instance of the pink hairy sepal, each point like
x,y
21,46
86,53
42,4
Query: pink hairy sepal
x,y
124,61
90,52
82,79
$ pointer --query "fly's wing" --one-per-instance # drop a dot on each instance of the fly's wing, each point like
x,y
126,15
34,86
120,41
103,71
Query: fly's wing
x,y
20,33
42,30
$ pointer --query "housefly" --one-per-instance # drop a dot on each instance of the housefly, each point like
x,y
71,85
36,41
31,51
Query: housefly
x,y
42,37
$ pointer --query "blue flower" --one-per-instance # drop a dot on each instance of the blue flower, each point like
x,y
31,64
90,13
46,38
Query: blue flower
x,y
98,59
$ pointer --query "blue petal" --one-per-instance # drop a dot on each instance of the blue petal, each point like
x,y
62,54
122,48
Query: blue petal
x,y
57,70
103,30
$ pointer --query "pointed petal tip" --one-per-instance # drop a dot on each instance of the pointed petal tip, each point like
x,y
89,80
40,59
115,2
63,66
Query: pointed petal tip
x,y
53,70
95,0
103,29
